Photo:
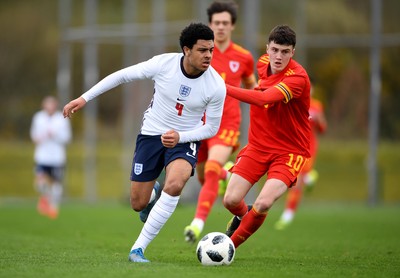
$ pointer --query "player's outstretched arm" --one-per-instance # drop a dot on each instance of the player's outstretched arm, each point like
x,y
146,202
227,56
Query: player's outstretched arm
x,y
256,97
73,106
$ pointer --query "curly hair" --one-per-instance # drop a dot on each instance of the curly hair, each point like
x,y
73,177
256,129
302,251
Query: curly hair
x,y
194,32
223,6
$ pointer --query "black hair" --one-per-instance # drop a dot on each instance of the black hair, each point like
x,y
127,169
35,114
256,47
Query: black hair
x,y
194,32
223,6
283,34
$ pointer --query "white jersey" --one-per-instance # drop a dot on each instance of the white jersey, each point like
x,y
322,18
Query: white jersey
x,y
179,101
50,133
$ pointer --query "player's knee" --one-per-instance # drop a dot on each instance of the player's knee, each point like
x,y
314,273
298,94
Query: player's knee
x,y
136,207
230,201
264,204
174,187
42,179
137,204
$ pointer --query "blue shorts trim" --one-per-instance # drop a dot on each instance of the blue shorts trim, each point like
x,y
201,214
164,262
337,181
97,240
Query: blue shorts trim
x,y
151,157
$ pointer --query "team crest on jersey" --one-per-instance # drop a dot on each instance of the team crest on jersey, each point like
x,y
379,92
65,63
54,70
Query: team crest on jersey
x,y
138,168
234,66
184,90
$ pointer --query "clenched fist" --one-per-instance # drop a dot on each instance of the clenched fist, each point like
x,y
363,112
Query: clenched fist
x,y
170,138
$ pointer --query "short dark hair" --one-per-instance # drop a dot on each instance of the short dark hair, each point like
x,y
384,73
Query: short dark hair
x,y
223,6
194,32
283,34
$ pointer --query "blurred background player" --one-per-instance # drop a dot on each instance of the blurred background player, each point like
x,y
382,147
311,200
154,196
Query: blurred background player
x,y
279,135
50,133
236,66
308,176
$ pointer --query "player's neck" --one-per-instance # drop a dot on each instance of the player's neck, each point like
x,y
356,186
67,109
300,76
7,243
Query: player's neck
x,y
188,70
222,45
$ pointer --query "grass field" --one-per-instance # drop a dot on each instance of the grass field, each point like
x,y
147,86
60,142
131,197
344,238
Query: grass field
x,y
334,234
333,240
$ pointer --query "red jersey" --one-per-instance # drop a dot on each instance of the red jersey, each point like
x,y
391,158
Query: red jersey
x,y
282,127
233,64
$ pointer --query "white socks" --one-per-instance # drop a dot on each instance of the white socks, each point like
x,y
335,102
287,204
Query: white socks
x,y
158,216
287,215
56,192
199,223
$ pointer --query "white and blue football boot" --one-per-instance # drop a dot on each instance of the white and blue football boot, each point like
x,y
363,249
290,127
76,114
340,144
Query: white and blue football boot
x,y
137,256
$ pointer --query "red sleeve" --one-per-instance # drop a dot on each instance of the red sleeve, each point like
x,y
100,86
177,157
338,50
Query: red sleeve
x,y
259,98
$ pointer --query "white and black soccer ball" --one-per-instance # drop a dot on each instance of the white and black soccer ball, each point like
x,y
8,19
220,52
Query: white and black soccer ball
x,y
215,249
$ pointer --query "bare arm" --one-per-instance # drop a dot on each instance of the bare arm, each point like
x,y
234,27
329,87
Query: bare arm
x,y
73,106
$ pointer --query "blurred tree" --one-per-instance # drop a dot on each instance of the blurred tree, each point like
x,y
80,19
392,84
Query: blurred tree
x,y
29,37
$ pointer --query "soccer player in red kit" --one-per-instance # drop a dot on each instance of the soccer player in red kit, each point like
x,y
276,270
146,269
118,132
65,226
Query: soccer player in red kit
x,y
308,175
279,134
236,66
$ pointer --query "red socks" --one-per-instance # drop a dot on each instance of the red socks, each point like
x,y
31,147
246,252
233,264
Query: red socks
x,y
209,191
239,210
249,225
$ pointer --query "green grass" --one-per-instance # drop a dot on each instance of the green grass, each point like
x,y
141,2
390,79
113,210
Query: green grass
x,y
333,235
333,240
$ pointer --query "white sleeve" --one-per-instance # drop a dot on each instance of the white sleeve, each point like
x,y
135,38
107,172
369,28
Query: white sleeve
x,y
143,70
213,120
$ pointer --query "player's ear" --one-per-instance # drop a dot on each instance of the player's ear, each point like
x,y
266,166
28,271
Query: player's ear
x,y
186,50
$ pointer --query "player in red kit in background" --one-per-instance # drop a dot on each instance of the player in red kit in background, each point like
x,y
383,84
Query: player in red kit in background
x,y
236,66
279,135
308,175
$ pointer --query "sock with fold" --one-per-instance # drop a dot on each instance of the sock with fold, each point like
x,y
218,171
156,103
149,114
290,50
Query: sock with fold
x,y
240,210
158,216
249,225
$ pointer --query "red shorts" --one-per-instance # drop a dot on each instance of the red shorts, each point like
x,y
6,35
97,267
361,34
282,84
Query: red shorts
x,y
251,164
309,165
226,137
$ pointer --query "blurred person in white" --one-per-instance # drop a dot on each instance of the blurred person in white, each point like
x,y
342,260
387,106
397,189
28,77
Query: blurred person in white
x,y
50,133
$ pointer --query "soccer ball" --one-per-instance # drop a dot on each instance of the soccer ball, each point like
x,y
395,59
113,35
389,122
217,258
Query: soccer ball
x,y
215,249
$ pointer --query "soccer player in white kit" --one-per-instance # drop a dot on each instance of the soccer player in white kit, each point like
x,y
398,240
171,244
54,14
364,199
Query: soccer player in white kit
x,y
50,133
185,88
